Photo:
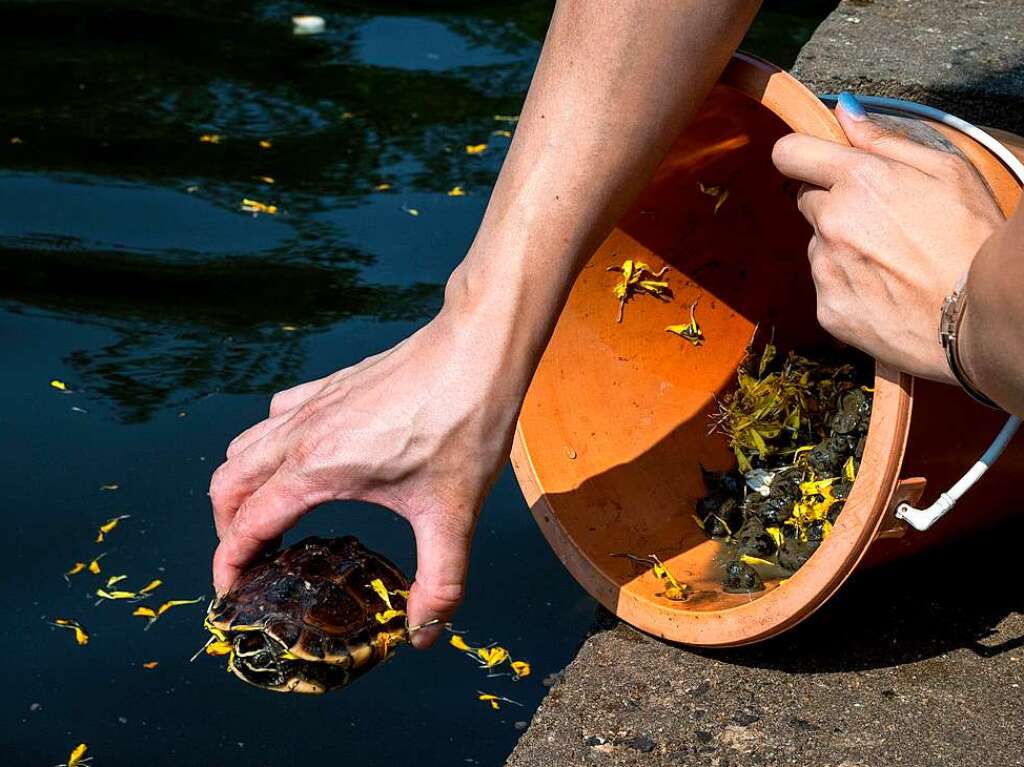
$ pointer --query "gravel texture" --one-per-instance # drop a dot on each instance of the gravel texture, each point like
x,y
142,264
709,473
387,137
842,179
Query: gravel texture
x,y
964,56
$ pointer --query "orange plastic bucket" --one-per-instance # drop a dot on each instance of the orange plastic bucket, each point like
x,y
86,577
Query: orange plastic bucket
x,y
615,426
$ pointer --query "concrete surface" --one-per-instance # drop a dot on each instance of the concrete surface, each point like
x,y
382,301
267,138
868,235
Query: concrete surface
x,y
964,56
920,663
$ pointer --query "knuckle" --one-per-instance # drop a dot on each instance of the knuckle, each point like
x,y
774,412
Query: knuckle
x,y
826,317
953,166
829,223
234,446
277,403
219,485
309,410
784,148
866,169
445,597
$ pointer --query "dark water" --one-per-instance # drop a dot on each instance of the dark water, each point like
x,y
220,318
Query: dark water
x,y
128,271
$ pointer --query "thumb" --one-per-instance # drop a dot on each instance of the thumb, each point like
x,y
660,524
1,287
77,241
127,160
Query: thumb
x,y
870,134
442,561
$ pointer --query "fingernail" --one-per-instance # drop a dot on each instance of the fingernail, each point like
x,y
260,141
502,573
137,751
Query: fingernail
x,y
851,106
425,637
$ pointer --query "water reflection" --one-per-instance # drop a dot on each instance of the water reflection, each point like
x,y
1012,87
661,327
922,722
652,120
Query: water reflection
x,y
112,211
128,270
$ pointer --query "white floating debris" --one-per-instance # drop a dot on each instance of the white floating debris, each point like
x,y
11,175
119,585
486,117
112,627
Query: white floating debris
x,y
760,481
308,25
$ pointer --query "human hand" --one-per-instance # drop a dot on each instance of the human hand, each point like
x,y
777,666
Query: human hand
x,y
420,429
896,225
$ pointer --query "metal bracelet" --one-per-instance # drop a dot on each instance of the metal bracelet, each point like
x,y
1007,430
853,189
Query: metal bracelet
x,y
950,322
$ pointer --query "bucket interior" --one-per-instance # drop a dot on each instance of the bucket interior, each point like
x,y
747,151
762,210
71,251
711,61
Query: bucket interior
x,y
615,428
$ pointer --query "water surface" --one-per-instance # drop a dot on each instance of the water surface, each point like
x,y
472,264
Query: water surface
x,y
128,271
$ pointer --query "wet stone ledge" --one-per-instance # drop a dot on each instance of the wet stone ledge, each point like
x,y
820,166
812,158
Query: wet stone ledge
x,y
913,664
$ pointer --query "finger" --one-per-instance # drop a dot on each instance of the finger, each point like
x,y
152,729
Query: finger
x,y
265,516
865,133
240,476
289,399
810,200
254,433
442,561
812,160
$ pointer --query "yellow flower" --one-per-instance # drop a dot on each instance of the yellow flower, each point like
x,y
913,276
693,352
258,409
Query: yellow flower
x,y
77,756
81,635
637,278
255,206
690,331
492,656
459,643
109,525
720,195
388,615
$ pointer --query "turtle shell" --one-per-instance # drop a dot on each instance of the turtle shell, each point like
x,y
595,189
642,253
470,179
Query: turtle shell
x,y
311,617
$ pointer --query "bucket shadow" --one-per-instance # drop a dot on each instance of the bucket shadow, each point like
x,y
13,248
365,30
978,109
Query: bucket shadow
x,y
930,604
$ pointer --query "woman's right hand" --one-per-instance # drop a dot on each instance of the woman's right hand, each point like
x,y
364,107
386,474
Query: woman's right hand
x,y
423,429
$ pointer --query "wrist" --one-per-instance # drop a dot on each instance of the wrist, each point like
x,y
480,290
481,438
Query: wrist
x,y
958,342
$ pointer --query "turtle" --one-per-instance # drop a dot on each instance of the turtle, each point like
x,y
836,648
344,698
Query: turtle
x,y
312,617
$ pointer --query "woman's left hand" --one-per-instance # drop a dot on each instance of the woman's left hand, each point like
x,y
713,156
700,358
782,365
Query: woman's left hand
x,y
896,225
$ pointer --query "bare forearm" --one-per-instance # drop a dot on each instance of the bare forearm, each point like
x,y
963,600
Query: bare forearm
x,y
615,84
992,342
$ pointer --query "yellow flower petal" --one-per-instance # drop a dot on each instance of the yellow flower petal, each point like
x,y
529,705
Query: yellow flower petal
x,y
459,643
81,635
255,206
151,586
388,615
265,144
492,656
850,469
115,579
144,612
475,148
151,664
76,757
219,648
381,590
176,603
492,699
116,595
520,668
109,525
210,138
382,187
456,191
59,385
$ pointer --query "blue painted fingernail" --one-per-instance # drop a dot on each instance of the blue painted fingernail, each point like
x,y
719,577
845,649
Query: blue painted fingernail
x,y
851,106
